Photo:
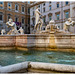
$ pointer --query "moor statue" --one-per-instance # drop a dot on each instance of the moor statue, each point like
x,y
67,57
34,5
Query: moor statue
x,y
38,20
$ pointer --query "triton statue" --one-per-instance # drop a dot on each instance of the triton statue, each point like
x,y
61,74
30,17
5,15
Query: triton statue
x,y
68,24
3,31
21,30
11,24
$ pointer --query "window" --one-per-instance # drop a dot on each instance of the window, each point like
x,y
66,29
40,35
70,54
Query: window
x,y
28,2
67,3
57,16
43,9
28,20
1,17
50,17
16,19
28,10
39,6
1,2
9,6
39,9
0,25
50,2
49,7
23,9
22,20
67,14
1,5
59,27
16,7
33,8
9,17
33,13
44,4
57,5
44,20
33,22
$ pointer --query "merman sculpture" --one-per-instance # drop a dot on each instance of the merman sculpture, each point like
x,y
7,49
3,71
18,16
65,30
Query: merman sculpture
x,y
3,31
68,24
12,24
21,30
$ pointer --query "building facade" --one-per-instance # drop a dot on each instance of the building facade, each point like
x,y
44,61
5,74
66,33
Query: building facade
x,y
18,11
58,11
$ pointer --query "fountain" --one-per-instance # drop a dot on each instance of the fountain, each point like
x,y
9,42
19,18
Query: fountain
x,y
51,39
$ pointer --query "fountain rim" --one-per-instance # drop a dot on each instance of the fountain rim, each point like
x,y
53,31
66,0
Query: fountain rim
x,y
38,65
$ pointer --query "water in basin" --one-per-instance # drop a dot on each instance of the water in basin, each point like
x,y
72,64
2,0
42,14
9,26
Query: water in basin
x,y
16,56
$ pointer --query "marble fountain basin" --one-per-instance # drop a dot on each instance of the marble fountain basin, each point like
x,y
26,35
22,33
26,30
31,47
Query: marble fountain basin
x,y
37,53
16,61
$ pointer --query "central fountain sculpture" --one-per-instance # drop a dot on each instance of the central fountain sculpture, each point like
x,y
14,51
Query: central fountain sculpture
x,y
51,27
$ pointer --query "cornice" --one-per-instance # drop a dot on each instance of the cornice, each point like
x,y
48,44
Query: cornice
x,y
36,4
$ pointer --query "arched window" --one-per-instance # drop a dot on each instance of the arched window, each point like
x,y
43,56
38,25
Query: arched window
x,y
67,2
1,5
66,14
1,16
23,9
9,6
16,7
58,5
22,20
50,17
44,19
50,7
58,16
